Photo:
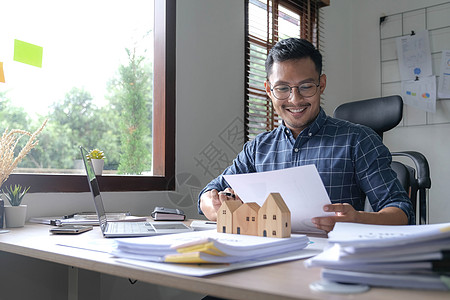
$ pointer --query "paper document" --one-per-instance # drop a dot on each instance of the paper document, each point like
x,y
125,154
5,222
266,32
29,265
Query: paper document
x,y
209,269
393,280
383,255
206,247
301,188
421,93
365,235
414,56
444,75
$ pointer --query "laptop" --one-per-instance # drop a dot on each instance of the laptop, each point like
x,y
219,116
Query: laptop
x,y
124,228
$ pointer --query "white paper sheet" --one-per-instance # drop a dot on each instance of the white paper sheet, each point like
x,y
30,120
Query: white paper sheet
x,y
209,269
420,93
444,78
414,56
301,188
409,281
366,235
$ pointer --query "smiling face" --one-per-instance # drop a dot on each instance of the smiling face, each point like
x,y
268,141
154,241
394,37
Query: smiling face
x,y
296,111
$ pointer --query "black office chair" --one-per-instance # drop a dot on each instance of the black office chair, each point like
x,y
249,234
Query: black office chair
x,y
382,114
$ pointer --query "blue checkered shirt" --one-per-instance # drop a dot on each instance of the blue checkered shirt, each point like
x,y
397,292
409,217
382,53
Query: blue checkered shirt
x,y
351,159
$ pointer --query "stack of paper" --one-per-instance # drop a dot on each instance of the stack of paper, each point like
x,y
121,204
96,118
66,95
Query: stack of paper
x,y
206,247
392,256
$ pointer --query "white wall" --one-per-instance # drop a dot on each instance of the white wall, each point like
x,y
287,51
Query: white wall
x,y
351,37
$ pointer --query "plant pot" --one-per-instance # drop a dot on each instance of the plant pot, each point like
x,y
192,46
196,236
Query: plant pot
x,y
15,216
98,166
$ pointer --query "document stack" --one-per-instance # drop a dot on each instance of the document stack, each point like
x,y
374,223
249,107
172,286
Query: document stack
x,y
390,256
206,247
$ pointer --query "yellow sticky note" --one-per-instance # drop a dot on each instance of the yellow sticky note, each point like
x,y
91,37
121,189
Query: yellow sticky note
x,y
445,229
28,53
208,248
185,258
2,74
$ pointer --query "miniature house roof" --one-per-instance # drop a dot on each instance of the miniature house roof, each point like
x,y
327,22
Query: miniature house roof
x,y
231,205
278,201
253,206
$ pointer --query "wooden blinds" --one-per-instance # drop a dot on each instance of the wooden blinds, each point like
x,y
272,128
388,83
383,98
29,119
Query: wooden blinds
x,y
268,21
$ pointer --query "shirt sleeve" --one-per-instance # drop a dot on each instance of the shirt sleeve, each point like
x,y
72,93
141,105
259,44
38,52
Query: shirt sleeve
x,y
376,177
243,163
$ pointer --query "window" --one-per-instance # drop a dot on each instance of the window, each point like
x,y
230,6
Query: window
x,y
264,217
247,219
274,217
152,46
253,219
274,233
267,22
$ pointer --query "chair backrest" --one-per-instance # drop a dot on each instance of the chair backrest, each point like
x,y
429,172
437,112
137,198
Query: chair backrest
x,y
382,114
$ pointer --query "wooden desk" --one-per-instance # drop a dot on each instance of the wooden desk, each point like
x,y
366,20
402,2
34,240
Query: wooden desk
x,y
288,280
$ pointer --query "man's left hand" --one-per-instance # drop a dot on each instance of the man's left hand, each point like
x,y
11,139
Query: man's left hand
x,y
344,212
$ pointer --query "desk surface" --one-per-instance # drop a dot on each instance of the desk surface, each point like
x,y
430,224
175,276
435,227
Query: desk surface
x,y
288,280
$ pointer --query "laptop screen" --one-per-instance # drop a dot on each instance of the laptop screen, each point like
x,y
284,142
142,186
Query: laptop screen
x,y
95,189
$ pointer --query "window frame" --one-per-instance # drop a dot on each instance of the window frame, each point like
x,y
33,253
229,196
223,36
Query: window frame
x,y
163,125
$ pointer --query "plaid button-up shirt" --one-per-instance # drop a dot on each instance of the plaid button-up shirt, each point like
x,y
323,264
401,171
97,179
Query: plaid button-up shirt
x,y
351,160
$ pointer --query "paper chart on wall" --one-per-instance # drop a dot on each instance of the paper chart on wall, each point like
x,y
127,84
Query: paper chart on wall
x,y
414,56
420,93
444,78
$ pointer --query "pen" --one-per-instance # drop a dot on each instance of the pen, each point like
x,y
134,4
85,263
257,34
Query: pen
x,y
228,194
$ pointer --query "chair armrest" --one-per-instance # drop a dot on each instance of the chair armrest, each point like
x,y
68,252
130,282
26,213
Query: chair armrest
x,y
422,167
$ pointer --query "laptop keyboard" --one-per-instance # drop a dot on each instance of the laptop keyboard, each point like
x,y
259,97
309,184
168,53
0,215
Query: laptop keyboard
x,y
130,227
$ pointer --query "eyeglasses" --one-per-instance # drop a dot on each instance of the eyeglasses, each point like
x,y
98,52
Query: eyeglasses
x,y
284,91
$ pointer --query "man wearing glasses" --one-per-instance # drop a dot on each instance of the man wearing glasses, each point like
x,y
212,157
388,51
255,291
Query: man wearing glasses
x,y
351,159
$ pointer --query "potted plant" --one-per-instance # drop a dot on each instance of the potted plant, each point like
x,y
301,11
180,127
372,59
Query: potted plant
x,y
15,214
9,161
97,158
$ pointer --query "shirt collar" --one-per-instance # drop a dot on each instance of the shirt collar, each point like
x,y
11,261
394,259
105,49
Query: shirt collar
x,y
312,129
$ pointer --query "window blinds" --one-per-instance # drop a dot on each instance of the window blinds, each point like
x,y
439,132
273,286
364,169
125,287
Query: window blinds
x,y
268,21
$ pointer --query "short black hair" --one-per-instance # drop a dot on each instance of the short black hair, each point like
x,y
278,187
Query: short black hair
x,y
293,48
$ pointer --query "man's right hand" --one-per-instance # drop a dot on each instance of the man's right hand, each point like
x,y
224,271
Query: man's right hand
x,y
211,201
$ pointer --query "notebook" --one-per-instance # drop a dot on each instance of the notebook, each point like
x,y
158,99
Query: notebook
x,y
124,229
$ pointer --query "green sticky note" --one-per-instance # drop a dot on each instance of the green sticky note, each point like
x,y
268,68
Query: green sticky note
x,y
28,53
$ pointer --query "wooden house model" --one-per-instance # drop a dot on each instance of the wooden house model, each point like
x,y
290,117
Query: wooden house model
x,y
245,219
274,217
225,215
